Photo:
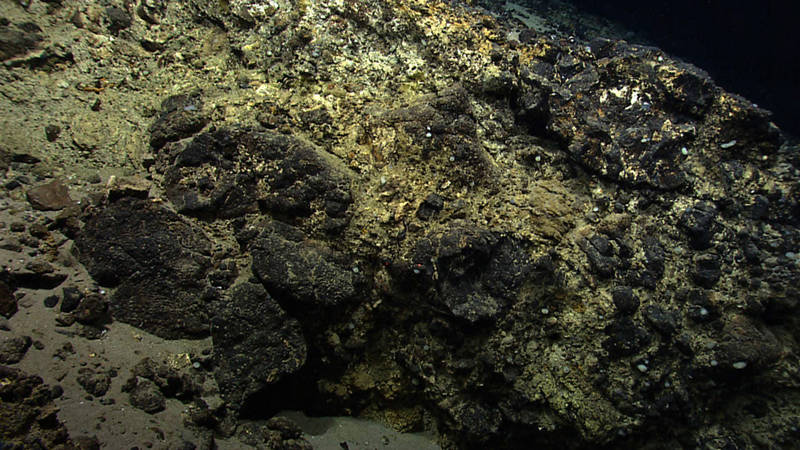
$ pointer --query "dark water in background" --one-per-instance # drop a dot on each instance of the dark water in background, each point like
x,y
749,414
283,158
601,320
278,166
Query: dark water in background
x,y
749,47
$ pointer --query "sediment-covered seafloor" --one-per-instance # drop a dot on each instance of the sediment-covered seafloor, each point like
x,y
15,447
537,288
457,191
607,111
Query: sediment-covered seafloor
x,y
414,212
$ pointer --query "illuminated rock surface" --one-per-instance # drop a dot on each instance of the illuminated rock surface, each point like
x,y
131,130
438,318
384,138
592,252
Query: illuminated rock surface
x,y
412,212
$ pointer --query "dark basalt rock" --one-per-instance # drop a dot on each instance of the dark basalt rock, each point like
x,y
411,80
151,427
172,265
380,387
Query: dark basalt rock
x,y
50,301
632,137
625,338
231,172
699,222
92,309
277,432
626,302
432,204
183,383
601,256
17,42
744,348
118,19
547,243
8,301
472,272
707,270
33,276
157,262
181,116
665,322
145,395
474,418
304,276
95,383
653,270
442,127
698,306
255,343
13,349
71,297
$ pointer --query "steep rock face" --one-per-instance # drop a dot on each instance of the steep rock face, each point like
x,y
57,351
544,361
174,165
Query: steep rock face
x,y
532,241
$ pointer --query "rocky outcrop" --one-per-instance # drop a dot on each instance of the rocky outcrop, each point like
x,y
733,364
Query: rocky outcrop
x,y
410,211
311,276
255,343
231,172
157,263
472,273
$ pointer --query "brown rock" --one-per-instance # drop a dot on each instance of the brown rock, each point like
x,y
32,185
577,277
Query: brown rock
x,y
15,42
39,230
147,397
28,416
95,383
67,221
11,244
91,309
13,349
8,303
128,187
51,196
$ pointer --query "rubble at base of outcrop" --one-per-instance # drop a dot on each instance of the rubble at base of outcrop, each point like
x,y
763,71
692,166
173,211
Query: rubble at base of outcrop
x,y
30,420
405,211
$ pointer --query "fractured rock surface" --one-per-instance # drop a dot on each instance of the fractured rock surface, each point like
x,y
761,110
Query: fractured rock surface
x,y
411,211
256,343
156,261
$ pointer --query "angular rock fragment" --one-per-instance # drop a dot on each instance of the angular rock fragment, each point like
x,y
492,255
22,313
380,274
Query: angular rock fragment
x,y
625,337
175,379
601,255
665,322
50,196
71,298
118,19
92,309
612,128
706,272
28,413
128,187
441,129
95,383
699,222
36,274
624,299
181,116
146,396
16,42
432,204
13,349
8,301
